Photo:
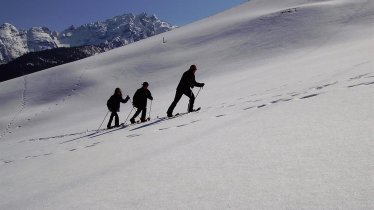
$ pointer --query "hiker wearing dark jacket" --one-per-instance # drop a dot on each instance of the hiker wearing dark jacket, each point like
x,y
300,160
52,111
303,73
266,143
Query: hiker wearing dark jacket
x,y
140,102
184,87
113,105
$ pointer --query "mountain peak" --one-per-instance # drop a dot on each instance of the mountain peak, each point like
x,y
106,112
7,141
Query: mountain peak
x,y
8,27
111,33
116,31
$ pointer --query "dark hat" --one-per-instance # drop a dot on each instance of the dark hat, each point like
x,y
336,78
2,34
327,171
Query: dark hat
x,y
145,84
193,67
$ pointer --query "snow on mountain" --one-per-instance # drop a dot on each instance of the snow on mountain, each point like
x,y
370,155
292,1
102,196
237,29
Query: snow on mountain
x,y
109,34
12,42
286,119
115,32
40,38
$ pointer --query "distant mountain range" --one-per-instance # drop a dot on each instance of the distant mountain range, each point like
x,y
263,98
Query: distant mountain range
x,y
36,61
112,33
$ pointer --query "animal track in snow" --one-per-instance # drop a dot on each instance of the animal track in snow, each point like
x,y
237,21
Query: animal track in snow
x,y
77,85
361,84
309,96
7,161
36,156
10,125
293,94
251,101
178,126
280,100
324,86
92,145
359,76
133,135
251,107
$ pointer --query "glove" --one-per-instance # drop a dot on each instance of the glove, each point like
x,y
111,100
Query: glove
x,y
202,85
127,97
151,98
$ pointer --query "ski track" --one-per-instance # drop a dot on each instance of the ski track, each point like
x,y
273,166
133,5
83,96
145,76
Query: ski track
x,y
9,128
70,91
11,125
85,137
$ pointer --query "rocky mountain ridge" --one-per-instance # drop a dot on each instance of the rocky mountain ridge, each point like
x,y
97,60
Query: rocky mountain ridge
x,y
111,33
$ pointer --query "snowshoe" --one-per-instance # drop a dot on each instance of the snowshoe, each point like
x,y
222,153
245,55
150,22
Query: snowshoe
x,y
196,110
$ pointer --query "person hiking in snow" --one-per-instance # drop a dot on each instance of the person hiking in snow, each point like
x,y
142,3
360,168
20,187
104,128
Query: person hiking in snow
x,y
113,105
184,87
140,102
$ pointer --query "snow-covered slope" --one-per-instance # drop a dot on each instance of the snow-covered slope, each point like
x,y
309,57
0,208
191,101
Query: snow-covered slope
x,y
286,119
109,34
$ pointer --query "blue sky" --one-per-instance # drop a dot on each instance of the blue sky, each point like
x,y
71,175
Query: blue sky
x,y
60,14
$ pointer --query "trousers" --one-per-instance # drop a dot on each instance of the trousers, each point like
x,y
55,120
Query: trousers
x,y
113,115
143,110
178,96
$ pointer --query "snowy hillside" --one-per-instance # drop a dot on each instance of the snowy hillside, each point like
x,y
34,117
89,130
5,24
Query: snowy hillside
x,y
286,121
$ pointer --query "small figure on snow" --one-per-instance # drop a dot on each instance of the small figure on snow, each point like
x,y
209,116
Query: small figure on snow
x,y
113,105
140,102
184,87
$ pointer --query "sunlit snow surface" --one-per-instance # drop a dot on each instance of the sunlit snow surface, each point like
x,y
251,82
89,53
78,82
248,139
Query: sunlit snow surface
x,y
287,118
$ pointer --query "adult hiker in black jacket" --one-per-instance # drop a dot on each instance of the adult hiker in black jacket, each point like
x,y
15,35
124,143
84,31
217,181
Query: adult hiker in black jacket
x,y
184,87
140,101
113,105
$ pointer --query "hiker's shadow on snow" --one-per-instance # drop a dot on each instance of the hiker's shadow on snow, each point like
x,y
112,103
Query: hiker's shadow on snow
x,y
110,131
93,135
149,124
76,139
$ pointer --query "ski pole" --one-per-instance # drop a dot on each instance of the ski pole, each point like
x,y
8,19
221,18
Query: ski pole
x,y
103,121
150,109
129,115
198,92
195,97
